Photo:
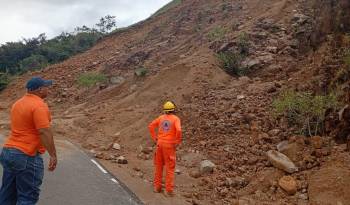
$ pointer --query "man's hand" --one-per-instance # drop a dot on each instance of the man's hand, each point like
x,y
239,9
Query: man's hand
x,y
52,163
46,137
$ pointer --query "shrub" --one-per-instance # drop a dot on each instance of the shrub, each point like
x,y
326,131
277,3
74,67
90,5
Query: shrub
x,y
243,43
34,62
91,79
218,33
141,72
231,63
304,110
4,81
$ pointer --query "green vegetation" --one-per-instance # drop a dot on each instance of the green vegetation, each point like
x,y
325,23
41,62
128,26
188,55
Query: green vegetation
x,y
141,71
36,53
218,33
243,44
304,110
343,74
168,6
33,62
231,63
4,81
91,79
347,59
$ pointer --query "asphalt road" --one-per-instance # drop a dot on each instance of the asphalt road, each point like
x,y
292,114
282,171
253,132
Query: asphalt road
x,y
79,180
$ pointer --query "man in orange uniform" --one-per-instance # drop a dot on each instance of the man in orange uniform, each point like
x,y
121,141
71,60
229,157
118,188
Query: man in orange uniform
x,y
168,138
23,167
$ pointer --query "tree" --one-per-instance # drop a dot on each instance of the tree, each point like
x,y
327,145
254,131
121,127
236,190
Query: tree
x,y
34,62
106,24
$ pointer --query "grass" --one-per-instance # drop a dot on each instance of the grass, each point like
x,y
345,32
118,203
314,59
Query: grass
x,y
231,63
218,33
91,79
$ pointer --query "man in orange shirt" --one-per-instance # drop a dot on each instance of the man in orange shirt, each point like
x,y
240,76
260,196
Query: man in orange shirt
x,y
23,167
168,138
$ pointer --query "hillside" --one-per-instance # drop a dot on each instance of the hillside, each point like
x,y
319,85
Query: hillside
x,y
287,44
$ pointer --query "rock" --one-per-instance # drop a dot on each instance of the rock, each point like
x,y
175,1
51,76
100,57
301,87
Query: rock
x,y
177,171
206,167
303,196
225,47
251,63
300,18
316,142
195,174
145,150
99,155
240,182
117,80
281,161
289,149
138,169
240,97
271,89
116,146
288,184
121,160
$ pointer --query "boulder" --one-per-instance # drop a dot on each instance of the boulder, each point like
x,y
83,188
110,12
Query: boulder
x,y
121,160
207,167
116,146
288,184
281,161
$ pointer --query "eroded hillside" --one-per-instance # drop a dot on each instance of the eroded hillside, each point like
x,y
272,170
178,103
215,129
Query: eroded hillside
x,y
282,44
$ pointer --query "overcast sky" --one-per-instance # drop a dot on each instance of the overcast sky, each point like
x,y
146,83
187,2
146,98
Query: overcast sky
x,y
29,18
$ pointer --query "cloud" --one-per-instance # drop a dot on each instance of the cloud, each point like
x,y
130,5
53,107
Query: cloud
x,y
28,18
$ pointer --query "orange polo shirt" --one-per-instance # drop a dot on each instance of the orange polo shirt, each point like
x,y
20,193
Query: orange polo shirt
x,y
28,115
169,129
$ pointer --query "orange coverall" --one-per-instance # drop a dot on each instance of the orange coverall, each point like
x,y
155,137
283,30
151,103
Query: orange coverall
x,y
169,136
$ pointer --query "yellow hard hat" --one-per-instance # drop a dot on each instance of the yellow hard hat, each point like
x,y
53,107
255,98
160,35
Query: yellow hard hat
x,y
169,106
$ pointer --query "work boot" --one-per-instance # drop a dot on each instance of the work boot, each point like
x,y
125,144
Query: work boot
x,y
169,194
157,190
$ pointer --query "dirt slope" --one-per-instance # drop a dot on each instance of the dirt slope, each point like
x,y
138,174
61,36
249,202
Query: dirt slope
x,y
225,119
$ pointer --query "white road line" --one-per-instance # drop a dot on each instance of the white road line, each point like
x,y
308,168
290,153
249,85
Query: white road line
x,y
99,166
114,180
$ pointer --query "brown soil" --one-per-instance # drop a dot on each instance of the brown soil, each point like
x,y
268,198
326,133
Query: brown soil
x,y
225,119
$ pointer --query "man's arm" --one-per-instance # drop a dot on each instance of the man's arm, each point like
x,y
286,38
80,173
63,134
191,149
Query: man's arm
x,y
178,132
152,126
46,137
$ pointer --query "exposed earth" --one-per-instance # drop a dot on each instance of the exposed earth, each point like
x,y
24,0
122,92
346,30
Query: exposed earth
x,y
226,119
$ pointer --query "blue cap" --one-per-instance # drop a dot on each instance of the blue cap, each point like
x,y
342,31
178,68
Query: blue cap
x,y
36,83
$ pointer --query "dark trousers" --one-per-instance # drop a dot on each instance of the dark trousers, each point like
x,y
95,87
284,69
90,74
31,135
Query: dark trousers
x,y
22,177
